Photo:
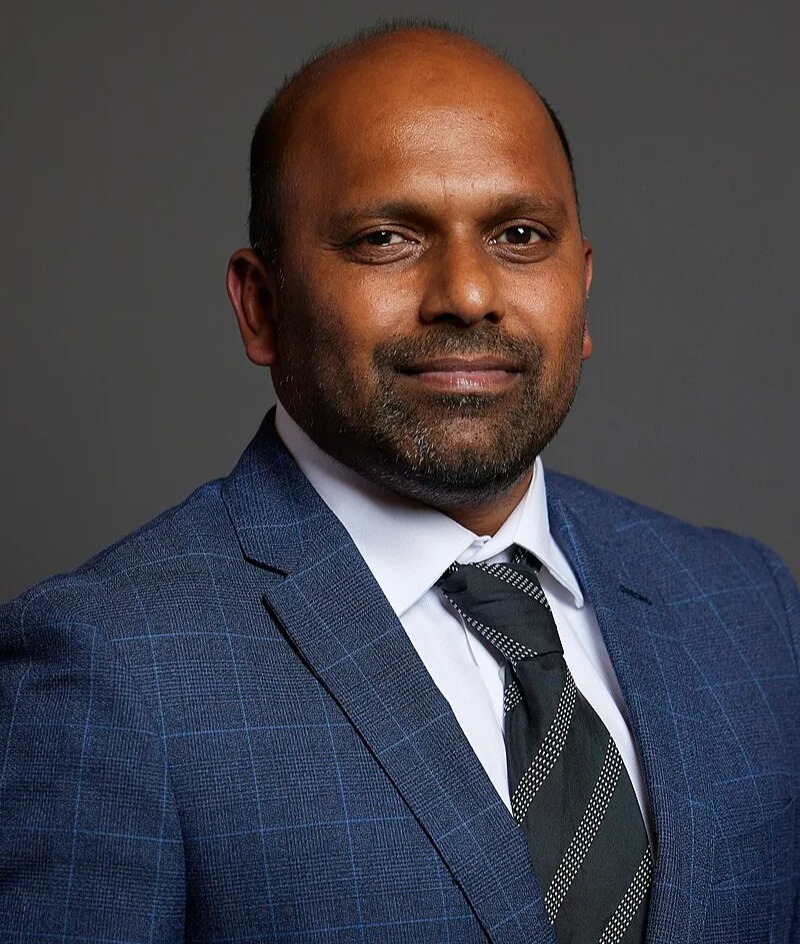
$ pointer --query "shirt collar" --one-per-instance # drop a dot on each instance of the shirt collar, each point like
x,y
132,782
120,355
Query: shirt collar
x,y
408,545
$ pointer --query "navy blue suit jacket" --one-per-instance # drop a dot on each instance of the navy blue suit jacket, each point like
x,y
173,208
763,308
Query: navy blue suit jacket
x,y
217,730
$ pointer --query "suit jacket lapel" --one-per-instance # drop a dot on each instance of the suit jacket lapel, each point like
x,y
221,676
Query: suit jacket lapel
x,y
326,600
656,678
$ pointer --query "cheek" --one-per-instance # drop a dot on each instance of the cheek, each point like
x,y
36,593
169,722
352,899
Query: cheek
x,y
332,339
386,297
358,309
551,310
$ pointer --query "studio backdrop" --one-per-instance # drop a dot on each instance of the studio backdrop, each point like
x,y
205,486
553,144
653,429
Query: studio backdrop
x,y
123,191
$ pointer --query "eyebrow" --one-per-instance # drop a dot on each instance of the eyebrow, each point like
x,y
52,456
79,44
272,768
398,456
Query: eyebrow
x,y
552,209
529,205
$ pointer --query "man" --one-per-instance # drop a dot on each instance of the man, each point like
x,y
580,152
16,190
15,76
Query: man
x,y
284,710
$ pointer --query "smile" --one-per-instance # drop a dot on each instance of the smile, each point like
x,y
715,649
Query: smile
x,y
465,375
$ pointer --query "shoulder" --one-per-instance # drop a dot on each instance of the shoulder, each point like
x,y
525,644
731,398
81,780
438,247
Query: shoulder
x,y
631,524
173,547
682,558
187,567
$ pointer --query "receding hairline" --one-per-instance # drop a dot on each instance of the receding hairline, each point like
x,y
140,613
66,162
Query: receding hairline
x,y
273,131
324,64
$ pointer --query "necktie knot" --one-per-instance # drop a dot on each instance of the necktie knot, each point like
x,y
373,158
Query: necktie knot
x,y
505,604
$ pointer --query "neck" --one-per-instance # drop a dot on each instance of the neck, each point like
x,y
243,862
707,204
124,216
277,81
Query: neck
x,y
488,517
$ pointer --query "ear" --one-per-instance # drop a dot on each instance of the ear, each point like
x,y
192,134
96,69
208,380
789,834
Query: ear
x,y
252,291
588,269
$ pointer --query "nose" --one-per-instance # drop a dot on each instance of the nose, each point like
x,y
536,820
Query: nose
x,y
460,285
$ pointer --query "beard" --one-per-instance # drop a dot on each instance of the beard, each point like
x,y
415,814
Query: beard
x,y
445,449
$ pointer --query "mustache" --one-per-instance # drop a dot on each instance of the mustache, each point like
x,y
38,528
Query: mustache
x,y
402,354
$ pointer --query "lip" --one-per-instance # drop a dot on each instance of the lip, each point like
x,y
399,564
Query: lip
x,y
465,374
463,365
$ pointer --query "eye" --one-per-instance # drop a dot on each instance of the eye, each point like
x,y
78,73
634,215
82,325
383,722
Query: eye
x,y
379,246
518,236
383,237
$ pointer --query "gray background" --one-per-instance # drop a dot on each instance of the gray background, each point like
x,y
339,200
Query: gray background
x,y
123,191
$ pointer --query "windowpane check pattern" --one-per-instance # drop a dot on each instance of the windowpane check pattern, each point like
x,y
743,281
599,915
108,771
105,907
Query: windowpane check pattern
x,y
570,792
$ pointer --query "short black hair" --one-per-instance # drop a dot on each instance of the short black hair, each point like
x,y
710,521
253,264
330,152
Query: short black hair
x,y
272,130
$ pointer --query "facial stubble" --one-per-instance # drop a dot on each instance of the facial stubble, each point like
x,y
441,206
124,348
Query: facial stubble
x,y
446,450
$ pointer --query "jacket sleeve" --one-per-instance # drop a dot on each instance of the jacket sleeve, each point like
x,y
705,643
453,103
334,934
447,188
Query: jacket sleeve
x,y
90,843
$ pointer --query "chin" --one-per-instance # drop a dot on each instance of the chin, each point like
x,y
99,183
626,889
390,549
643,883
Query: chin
x,y
442,488
450,474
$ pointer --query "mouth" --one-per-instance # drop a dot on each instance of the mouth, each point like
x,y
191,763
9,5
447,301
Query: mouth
x,y
464,374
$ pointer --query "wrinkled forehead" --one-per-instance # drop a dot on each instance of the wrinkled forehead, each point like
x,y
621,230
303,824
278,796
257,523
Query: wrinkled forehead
x,y
419,108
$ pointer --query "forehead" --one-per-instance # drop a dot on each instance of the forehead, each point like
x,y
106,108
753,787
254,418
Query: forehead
x,y
409,115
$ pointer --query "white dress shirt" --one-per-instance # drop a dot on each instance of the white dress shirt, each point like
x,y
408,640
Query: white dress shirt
x,y
408,546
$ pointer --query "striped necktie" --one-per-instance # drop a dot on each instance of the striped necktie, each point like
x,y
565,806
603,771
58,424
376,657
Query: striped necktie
x,y
570,791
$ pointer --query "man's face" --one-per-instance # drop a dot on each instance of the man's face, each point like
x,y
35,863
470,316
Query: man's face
x,y
430,316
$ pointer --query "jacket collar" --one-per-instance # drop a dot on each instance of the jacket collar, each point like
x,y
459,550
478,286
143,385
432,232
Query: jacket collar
x,y
281,522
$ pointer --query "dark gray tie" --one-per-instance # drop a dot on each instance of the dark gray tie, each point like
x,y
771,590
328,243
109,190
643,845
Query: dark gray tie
x,y
570,791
